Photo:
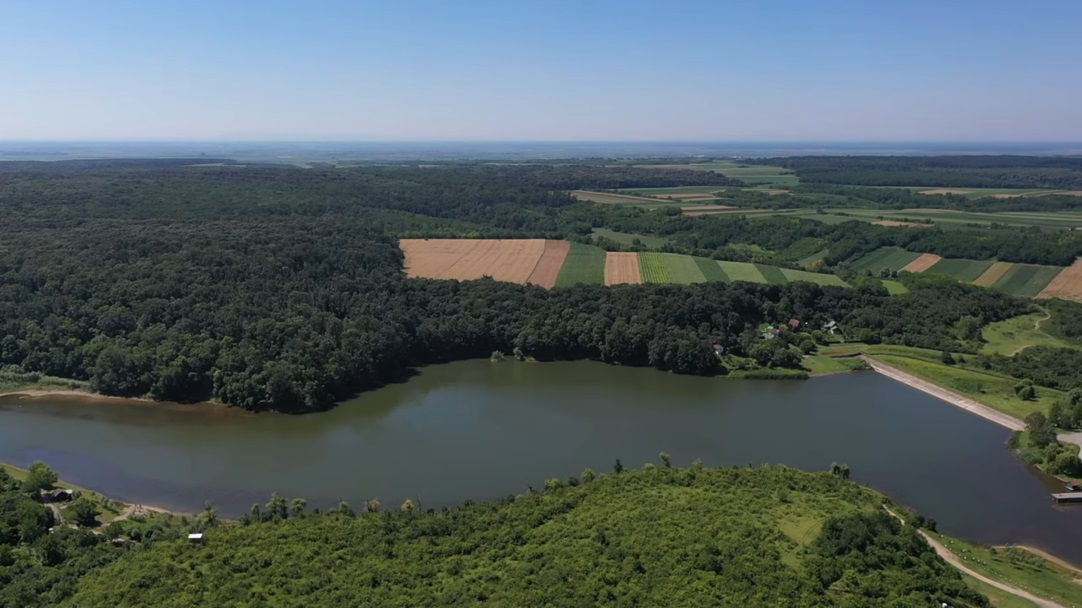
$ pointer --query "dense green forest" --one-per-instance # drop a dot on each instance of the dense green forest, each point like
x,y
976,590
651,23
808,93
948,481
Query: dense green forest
x,y
936,171
281,288
770,536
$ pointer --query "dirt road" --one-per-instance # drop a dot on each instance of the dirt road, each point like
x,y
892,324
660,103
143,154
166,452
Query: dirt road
x,y
953,560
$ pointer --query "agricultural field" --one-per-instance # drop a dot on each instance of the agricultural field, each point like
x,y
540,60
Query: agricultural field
x,y
627,238
994,273
511,260
812,277
672,268
583,264
613,198
711,270
772,274
963,270
548,267
623,267
924,262
749,174
888,257
742,271
1026,280
1066,284
993,192
653,268
721,210
944,218
550,263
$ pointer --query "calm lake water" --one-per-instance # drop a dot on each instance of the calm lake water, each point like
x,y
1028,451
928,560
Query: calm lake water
x,y
478,430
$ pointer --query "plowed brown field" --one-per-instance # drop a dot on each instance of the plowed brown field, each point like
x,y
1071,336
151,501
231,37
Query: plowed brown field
x,y
622,267
1066,285
924,262
510,260
993,274
548,267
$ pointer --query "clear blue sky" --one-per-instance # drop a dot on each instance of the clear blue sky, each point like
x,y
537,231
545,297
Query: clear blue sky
x,y
774,70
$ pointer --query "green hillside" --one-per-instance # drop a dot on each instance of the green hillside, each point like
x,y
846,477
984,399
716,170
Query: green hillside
x,y
692,536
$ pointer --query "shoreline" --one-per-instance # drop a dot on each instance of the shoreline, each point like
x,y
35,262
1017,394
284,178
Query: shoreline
x,y
69,392
944,394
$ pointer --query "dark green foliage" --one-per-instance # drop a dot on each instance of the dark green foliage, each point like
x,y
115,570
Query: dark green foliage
x,y
1059,368
39,477
281,288
84,512
1066,320
936,171
659,537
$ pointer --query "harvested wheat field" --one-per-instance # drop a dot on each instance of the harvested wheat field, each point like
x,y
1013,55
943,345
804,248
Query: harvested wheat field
x,y
706,208
548,267
688,196
510,260
994,273
924,262
622,267
1066,285
901,223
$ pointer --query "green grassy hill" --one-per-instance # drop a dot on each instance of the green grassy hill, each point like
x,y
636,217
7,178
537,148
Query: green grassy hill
x,y
692,536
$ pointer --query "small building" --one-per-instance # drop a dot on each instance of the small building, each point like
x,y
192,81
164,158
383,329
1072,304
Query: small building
x,y
794,323
62,495
832,327
719,349
196,538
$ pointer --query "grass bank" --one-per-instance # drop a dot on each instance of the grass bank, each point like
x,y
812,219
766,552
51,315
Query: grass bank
x,y
1019,567
986,387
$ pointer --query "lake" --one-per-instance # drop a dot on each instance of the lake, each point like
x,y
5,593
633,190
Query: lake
x,y
479,430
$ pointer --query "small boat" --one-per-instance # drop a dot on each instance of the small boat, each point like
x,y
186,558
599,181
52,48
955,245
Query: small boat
x,y
1074,486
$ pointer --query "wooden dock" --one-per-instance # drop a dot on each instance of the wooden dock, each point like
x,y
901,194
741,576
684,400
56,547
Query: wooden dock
x,y
1067,497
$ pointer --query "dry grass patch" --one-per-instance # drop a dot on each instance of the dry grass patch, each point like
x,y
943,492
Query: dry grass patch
x,y
924,262
1066,285
548,267
944,191
622,267
994,273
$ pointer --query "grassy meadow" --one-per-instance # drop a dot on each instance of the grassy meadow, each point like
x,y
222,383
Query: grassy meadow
x,y
627,238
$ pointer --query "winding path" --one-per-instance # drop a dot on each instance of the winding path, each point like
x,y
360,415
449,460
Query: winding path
x,y
953,560
1036,327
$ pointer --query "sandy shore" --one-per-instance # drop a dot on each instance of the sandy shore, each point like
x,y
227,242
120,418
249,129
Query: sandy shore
x,y
951,397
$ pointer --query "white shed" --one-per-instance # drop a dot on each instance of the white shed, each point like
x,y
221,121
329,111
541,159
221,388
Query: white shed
x,y
195,537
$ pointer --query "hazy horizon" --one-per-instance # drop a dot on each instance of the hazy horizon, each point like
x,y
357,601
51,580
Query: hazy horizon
x,y
560,71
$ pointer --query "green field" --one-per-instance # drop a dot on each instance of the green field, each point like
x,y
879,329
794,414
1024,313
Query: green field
x,y
886,257
711,270
653,268
812,277
626,237
584,264
963,270
772,274
895,288
749,174
673,189
742,271
1026,280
